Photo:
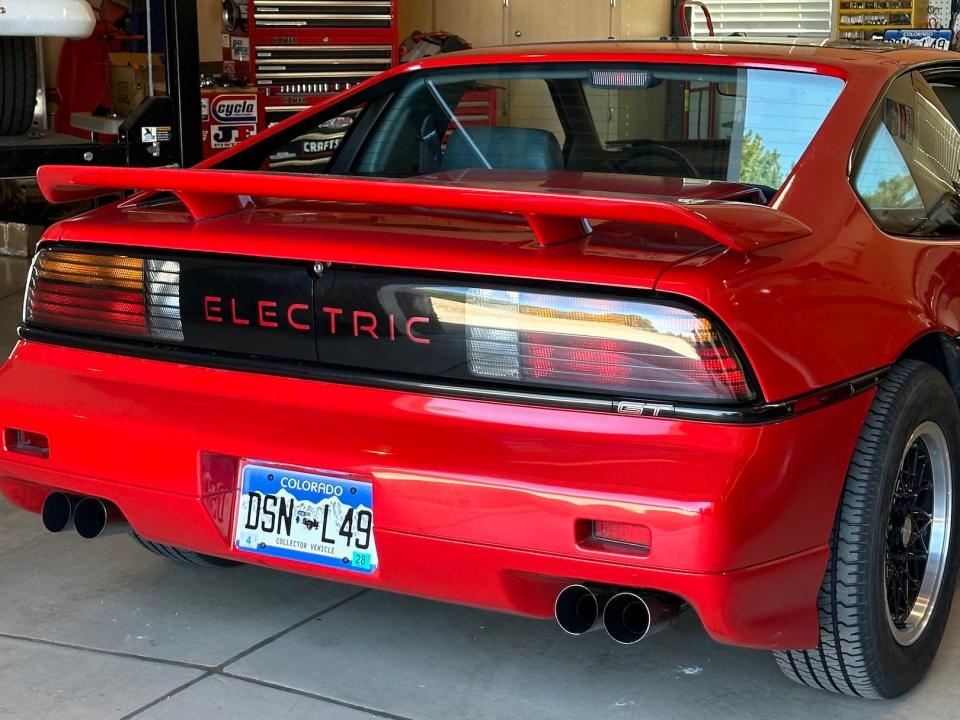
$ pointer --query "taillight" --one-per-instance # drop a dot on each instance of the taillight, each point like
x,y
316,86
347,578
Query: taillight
x,y
108,294
628,347
608,348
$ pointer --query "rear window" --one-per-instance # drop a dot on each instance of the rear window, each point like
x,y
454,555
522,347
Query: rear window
x,y
735,124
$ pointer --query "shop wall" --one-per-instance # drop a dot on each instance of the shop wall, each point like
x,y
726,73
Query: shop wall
x,y
483,22
416,15
209,19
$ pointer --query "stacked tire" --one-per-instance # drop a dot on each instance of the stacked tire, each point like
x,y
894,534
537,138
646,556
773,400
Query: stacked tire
x,y
18,84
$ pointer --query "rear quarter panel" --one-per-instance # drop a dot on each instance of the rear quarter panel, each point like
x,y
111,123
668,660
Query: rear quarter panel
x,y
846,300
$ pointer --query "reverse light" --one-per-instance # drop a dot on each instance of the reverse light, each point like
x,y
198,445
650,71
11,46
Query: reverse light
x,y
629,347
105,294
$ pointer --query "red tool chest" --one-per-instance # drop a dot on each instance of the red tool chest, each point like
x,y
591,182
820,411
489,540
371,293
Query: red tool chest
x,y
303,51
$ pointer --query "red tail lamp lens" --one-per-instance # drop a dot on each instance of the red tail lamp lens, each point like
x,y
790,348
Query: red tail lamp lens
x,y
105,294
634,347
621,532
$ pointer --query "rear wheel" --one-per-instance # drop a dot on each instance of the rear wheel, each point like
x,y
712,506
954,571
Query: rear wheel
x,y
185,556
889,583
18,84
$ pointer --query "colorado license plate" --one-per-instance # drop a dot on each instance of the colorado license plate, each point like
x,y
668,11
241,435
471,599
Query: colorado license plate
x,y
305,516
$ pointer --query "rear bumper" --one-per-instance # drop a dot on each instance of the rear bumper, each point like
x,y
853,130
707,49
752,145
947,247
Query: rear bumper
x,y
477,503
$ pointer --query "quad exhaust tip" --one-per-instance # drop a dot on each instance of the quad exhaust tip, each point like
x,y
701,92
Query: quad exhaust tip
x,y
579,609
57,512
630,617
94,518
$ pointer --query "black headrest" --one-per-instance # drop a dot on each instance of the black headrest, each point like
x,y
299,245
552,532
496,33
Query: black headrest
x,y
504,147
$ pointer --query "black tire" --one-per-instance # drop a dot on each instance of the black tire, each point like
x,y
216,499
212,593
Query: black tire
x,y
187,557
18,84
859,653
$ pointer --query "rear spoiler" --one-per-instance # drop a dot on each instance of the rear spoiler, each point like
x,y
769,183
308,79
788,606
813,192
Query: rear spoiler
x,y
554,216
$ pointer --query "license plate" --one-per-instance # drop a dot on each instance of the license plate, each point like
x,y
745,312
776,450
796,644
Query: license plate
x,y
305,516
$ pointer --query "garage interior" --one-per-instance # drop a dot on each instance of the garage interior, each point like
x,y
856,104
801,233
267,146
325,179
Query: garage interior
x,y
104,630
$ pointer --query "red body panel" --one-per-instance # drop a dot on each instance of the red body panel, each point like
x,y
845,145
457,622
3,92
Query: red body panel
x,y
509,482
483,502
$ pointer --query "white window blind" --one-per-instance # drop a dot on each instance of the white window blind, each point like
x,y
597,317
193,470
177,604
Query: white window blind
x,y
765,18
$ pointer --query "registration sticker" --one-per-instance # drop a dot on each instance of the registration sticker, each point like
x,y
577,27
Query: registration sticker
x,y
306,516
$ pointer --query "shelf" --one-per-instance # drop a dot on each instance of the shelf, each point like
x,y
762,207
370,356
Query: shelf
x,y
915,13
874,28
890,11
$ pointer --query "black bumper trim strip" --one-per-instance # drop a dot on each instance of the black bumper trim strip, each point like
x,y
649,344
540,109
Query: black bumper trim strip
x,y
752,415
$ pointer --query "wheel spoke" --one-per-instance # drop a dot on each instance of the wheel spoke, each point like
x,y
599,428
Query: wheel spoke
x,y
914,457
901,597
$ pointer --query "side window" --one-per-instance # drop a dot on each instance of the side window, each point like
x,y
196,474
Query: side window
x,y
312,151
883,179
310,146
907,168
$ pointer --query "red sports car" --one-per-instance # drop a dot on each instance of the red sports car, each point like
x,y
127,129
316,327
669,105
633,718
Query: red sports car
x,y
595,331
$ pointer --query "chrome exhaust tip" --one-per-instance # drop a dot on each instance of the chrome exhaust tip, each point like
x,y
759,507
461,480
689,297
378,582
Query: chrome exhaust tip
x,y
57,511
578,609
94,518
630,617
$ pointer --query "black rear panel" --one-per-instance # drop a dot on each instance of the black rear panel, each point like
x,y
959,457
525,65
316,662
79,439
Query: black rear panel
x,y
254,308
347,317
549,343
377,321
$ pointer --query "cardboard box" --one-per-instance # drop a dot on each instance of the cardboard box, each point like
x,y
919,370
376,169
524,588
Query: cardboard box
x,y
129,82
229,115
18,239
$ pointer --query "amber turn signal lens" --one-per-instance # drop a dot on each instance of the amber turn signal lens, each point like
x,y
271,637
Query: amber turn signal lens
x,y
106,294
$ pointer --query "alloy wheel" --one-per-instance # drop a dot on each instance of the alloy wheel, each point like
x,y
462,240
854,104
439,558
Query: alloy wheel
x,y
918,533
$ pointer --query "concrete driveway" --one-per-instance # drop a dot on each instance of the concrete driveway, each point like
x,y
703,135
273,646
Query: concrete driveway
x,y
104,630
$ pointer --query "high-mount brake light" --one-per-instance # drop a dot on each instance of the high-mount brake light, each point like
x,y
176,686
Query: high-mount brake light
x,y
106,294
628,347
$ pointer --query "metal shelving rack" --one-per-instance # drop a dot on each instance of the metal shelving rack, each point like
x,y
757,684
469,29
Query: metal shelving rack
x,y
862,19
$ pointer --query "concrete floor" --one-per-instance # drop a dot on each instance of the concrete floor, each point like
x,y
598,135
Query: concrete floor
x,y
103,629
